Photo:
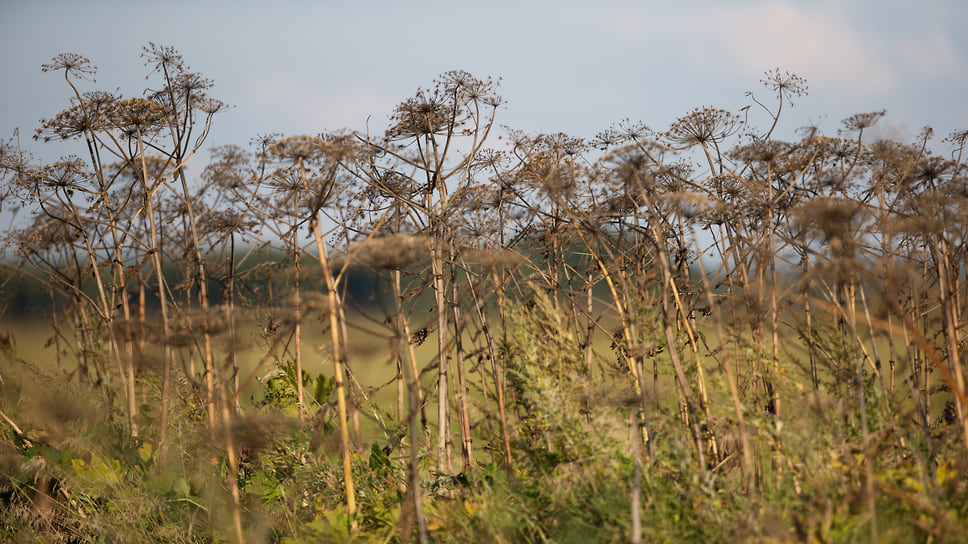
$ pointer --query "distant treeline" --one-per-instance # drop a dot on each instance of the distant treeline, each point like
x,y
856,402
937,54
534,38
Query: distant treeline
x,y
25,292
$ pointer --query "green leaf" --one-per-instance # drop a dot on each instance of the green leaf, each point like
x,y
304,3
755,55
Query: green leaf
x,y
159,485
378,459
323,388
146,451
180,487
264,484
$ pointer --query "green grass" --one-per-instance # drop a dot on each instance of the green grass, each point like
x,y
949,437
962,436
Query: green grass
x,y
571,475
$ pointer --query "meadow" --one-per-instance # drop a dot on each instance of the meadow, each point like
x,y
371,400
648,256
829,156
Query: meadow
x,y
701,333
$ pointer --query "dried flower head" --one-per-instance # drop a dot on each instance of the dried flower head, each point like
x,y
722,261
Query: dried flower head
x,y
496,260
395,251
860,121
834,219
703,126
229,168
768,152
922,214
421,115
140,114
72,64
43,235
958,138
70,173
225,222
688,204
450,107
932,171
621,133
549,162
296,149
163,58
467,88
81,117
784,84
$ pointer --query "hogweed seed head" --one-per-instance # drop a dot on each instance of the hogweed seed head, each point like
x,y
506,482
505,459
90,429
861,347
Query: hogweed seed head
x,y
784,84
394,251
861,121
958,138
163,57
703,126
73,64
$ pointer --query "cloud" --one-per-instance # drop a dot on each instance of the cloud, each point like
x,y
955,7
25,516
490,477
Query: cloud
x,y
816,40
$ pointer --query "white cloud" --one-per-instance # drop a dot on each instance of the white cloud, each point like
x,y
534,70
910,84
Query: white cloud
x,y
815,40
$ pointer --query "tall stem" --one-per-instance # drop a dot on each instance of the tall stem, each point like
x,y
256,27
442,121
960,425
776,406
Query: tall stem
x,y
414,398
156,258
339,355
467,445
443,438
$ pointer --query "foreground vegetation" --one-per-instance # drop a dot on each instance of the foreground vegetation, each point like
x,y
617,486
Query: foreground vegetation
x,y
697,334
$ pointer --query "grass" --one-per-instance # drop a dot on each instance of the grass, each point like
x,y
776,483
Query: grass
x,y
570,465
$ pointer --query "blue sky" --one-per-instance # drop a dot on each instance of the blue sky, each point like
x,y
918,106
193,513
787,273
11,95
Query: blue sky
x,y
574,67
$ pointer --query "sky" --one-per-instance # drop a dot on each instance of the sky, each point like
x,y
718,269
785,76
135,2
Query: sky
x,y
576,67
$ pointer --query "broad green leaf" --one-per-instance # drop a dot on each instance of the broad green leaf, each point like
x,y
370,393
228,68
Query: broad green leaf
x,y
180,487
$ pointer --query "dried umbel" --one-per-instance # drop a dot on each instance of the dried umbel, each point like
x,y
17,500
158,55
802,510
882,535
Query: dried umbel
x,y
632,169
187,90
466,88
496,260
163,58
703,126
688,204
420,116
621,134
71,174
139,114
834,219
550,163
46,234
229,168
394,251
104,112
784,84
91,113
933,172
772,153
306,173
296,149
49,182
451,107
957,138
225,222
933,212
861,121
73,64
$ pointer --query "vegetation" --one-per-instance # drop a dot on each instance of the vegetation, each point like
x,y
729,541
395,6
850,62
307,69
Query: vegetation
x,y
697,334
